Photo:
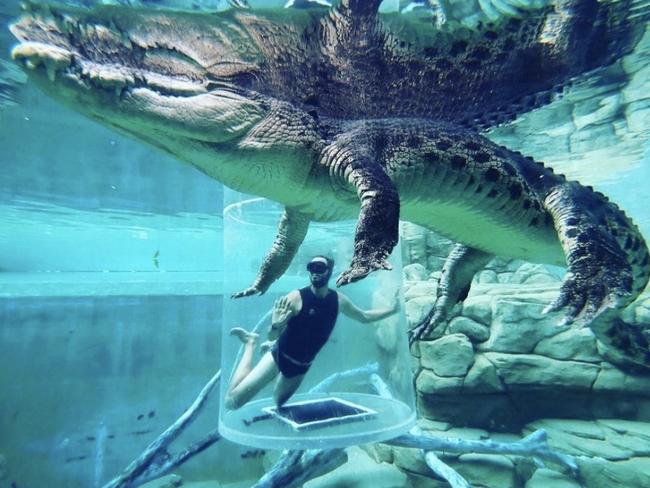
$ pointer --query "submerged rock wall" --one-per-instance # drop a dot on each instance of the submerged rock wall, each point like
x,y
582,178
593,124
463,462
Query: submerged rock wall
x,y
518,365
500,369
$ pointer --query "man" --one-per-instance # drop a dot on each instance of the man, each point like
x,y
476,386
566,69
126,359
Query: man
x,y
301,324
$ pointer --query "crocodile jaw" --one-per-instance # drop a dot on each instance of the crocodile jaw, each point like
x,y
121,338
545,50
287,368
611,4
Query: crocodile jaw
x,y
107,84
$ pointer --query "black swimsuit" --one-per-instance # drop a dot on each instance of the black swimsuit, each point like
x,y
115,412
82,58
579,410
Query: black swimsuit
x,y
306,333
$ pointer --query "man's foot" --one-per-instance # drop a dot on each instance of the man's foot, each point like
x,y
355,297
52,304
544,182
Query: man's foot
x,y
243,335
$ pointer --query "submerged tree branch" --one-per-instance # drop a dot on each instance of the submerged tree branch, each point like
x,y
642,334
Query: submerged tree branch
x,y
439,467
155,461
297,467
189,452
446,472
534,445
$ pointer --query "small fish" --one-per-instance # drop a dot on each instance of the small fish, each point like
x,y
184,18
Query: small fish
x,y
140,432
75,458
90,438
141,416
151,414
156,263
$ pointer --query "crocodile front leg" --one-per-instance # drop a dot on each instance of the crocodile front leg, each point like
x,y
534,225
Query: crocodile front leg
x,y
599,275
377,230
460,267
291,232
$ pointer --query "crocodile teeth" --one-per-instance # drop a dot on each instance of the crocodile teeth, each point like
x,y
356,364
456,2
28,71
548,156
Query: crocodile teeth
x,y
35,54
107,76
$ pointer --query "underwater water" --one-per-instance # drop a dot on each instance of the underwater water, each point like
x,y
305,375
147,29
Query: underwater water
x,y
114,306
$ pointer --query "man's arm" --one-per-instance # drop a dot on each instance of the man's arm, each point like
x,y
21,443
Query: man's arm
x,y
365,316
283,309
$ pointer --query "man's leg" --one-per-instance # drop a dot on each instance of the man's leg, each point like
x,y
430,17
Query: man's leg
x,y
245,365
285,387
247,380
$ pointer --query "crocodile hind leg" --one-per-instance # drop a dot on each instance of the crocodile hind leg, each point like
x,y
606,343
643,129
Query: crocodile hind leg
x,y
599,275
291,232
460,267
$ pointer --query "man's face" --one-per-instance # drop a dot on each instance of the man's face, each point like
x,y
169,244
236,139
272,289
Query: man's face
x,y
319,275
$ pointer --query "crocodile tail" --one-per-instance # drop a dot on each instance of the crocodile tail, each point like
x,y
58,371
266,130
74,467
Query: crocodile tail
x,y
623,344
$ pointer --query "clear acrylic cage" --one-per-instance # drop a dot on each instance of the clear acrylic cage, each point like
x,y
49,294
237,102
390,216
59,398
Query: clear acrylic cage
x,y
359,388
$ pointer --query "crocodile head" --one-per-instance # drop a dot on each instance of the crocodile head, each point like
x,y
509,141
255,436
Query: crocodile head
x,y
176,80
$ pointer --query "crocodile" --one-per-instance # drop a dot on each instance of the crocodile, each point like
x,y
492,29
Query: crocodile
x,y
343,113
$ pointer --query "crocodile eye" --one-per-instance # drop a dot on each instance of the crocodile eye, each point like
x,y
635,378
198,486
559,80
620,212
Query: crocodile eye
x,y
237,73
243,80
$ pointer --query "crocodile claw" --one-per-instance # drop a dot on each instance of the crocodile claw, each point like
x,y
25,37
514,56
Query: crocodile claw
x,y
589,289
599,275
251,290
417,332
430,322
358,271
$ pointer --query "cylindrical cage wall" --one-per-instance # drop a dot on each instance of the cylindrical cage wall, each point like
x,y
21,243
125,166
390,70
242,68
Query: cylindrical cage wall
x,y
359,387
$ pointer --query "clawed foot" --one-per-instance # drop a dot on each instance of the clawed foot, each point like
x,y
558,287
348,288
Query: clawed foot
x,y
251,290
420,331
599,276
358,271
590,288
417,332
243,335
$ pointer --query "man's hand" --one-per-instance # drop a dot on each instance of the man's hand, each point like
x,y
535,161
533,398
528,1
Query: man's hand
x,y
281,311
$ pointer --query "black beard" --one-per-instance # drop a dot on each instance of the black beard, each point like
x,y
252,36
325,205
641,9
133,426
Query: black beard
x,y
320,281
